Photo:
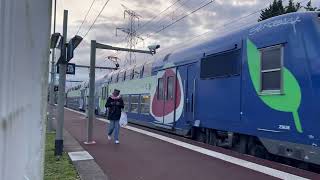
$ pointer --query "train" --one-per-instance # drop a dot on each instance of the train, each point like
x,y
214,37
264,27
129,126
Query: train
x,y
255,90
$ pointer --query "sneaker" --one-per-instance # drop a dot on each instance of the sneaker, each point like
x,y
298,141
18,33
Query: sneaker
x,y
116,142
109,137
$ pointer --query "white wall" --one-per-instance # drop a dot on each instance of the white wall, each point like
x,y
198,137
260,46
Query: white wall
x,y
24,52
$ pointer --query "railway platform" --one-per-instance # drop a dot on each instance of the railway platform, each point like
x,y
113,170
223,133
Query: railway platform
x,y
146,154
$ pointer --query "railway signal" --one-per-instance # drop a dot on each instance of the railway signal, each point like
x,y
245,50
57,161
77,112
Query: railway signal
x,y
72,45
55,39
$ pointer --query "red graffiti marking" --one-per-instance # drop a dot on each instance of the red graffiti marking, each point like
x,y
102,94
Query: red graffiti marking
x,y
163,107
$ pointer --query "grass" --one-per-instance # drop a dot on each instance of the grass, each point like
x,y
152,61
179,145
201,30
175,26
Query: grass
x,y
57,169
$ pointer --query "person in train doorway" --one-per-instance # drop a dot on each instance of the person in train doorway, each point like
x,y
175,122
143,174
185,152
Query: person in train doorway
x,y
114,107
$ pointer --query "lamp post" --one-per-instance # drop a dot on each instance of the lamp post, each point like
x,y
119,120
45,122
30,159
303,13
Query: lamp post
x,y
67,50
95,45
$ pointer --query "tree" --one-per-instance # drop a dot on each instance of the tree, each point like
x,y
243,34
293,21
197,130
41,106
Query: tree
x,y
274,9
309,7
280,7
277,8
292,7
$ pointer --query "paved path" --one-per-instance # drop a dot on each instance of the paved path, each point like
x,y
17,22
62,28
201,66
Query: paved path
x,y
141,157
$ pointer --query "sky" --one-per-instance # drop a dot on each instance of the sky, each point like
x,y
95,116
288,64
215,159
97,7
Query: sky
x,y
217,16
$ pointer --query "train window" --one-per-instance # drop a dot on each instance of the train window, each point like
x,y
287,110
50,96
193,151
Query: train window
x,y
137,72
117,77
142,72
129,74
134,103
160,89
270,59
110,77
102,92
105,92
114,77
170,88
145,104
121,75
271,69
221,65
147,70
126,102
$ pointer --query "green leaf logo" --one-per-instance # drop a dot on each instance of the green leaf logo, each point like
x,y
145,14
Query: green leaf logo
x,y
290,100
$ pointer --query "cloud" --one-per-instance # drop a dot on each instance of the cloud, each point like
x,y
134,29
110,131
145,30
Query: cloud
x,y
213,17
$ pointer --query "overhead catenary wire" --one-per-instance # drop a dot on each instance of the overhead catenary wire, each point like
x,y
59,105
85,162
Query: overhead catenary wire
x,y
183,4
153,18
94,21
181,18
162,19
222,25
85,16
246,16
236,20
105,4
225,25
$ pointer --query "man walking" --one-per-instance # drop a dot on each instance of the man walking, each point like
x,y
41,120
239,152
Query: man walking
x,y
114,106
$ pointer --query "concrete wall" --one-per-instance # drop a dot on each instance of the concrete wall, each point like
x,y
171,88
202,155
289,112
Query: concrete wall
x,y
24,52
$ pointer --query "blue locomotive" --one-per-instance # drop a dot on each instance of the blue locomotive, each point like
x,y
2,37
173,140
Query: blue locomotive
x,y
256,90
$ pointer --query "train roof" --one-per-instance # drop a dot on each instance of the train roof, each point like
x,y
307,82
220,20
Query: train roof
x,y
197,48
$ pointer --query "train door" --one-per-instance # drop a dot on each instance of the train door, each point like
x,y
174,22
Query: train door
x,y
188,75
190,93
163,106
169,96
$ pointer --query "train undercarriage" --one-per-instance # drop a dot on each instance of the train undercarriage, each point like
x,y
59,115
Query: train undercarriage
x,y
247,144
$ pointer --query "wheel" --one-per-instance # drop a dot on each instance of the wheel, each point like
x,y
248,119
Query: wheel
x,y
207,136
242,144
193,133
213,139
259,151
198,135
303,165
202,135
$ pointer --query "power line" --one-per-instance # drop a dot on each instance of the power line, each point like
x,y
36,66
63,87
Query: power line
x,y
158,14
176,21
96,18
224,25
145,24
85,16
248,15
162,19
221,26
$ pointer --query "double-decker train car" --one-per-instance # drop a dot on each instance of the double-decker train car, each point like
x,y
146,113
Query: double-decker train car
x,y
256,90
77,96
